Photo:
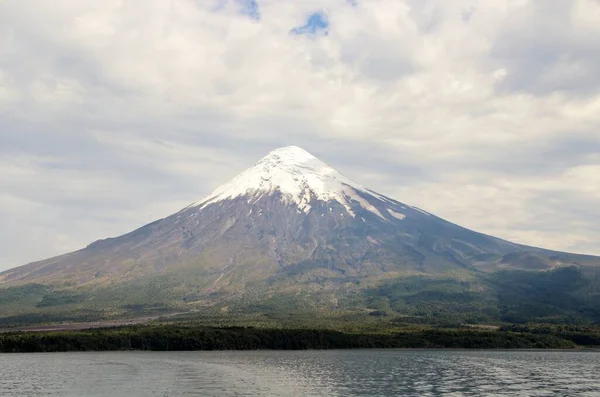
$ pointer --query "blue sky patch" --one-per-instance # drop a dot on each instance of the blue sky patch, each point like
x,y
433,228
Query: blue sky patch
x,y
250,8
316,23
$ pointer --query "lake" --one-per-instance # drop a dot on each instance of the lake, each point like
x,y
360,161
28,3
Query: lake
x,y
302,373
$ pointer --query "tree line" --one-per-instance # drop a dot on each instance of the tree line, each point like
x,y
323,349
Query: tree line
x,y
182,338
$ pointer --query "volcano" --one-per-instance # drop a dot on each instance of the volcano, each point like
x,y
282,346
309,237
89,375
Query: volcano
x,y
293,232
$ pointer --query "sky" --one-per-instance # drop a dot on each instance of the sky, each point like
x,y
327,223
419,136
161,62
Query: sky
x,y
116,113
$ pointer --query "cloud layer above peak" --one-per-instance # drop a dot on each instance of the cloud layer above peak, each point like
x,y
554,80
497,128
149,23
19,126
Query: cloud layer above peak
x,y
114,113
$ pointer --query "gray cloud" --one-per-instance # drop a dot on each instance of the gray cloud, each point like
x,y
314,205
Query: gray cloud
x,y
545,50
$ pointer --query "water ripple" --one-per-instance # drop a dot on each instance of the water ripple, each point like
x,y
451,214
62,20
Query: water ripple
x,y
307,373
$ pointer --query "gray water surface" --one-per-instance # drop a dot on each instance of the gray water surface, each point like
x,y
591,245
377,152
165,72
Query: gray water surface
x,y
304,373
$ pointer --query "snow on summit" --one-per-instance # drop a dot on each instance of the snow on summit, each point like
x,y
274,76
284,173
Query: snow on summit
x,y
299,176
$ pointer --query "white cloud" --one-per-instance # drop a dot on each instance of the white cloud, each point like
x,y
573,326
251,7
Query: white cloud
x,y
487,113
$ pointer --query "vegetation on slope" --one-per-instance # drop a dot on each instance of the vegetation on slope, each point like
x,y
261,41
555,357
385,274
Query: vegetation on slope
x,y
565,295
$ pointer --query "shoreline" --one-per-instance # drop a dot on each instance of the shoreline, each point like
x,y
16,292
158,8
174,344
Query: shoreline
x,y
405,349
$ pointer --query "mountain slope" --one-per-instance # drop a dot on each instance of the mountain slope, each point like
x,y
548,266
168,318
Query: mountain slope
x,y
288,226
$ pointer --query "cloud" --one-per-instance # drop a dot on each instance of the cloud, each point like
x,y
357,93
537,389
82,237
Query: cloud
x,y
487,114
564,58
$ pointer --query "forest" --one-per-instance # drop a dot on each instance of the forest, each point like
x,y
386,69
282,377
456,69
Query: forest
x,y
180,338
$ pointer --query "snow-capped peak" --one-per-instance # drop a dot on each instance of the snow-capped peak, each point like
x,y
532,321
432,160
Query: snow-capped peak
x,y
299,176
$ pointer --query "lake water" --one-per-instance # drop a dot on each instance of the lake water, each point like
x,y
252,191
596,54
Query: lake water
x,y
302,373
